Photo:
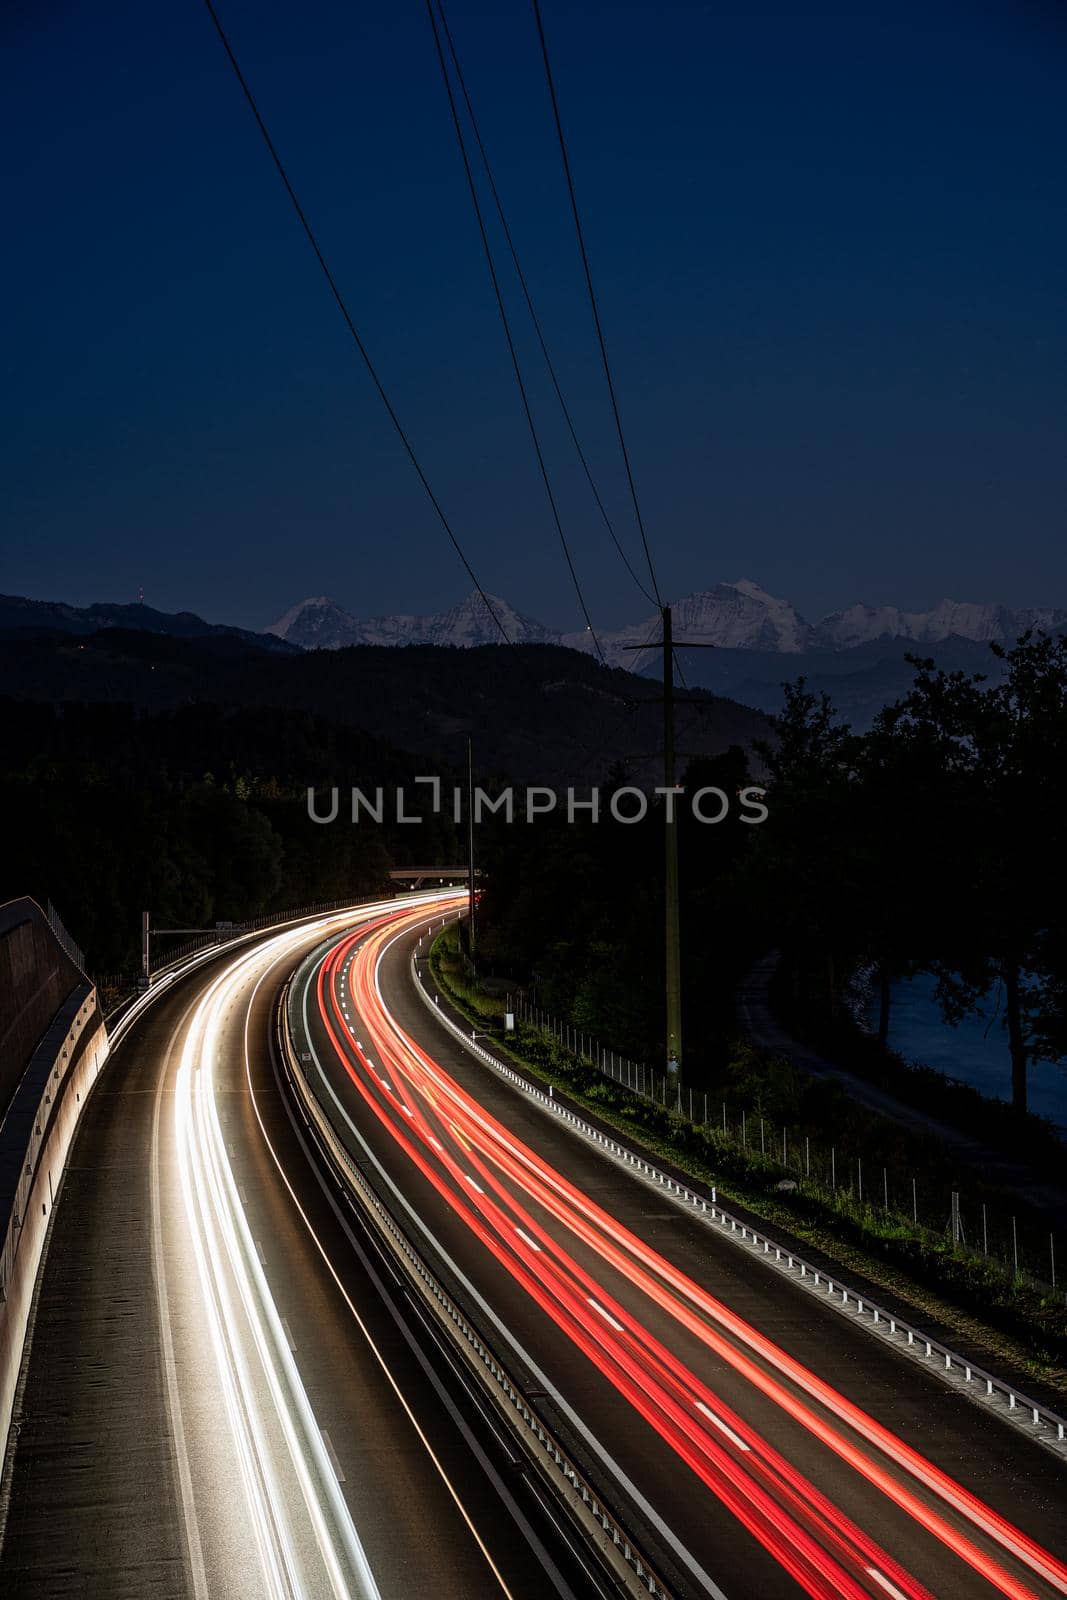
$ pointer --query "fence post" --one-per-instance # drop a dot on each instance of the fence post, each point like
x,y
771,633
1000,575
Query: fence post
x,y
1052,1257
807,1156
833,1169
985,1232
914,1203
784,1157
762,1143
724,1129
744,1131
1015,1246
885,1186
859,1178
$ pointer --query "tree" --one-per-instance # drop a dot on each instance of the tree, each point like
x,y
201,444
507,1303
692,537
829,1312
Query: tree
x,y
995,759
809,856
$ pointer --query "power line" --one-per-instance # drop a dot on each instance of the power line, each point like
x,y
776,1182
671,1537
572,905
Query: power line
x,y
535,320
502,309
593,299
335,291
349,323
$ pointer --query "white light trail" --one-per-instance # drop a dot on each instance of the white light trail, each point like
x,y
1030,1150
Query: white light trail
x,y
307,1543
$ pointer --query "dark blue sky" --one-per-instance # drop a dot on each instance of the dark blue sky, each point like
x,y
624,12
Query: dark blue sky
x,y
831,248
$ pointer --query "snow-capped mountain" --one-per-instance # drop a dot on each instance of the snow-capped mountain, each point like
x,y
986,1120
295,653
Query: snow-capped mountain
x,y
862,624
321,624
317,624
731,616
469,623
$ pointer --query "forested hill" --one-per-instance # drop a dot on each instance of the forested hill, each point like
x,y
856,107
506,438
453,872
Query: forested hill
x,y
537,713
196,813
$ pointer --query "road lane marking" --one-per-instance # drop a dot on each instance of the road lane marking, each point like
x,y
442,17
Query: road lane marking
x,y
736,1439
605,1314
890,1588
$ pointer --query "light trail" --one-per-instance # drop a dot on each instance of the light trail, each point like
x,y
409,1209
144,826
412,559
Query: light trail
x,y
295,1513
817,1571
826,1552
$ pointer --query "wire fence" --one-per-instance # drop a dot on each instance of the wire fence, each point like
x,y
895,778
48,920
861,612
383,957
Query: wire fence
x,y
916,1202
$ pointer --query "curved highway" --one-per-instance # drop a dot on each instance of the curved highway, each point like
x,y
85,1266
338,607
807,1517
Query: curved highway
x,y
227,1393
755,1443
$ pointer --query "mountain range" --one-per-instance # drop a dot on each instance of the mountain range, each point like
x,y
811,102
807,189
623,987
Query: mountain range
x,y
730,616
857,656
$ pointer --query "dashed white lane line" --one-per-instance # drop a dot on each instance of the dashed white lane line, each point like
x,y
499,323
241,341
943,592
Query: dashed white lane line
x,y
605,1314
290,1341
733,1437
525,1237
881,1579
259,1253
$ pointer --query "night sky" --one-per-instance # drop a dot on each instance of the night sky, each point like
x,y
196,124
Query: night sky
x,y
831,249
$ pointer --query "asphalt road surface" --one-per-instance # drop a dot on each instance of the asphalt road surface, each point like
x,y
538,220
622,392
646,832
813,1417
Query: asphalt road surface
x,y
756,1443
226,1394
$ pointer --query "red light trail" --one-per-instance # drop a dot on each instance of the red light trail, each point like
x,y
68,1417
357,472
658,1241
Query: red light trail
x,y
490,1179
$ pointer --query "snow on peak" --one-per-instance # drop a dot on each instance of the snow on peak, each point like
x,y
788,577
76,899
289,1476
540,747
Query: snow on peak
x,y
963,619
312,622
321,624
731,616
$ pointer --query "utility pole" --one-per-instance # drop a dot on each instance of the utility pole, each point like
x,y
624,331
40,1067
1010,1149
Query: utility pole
x,y
470,846
673,975
673,940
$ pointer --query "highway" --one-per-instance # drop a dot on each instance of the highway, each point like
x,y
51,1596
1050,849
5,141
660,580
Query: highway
x,y
755,1442
232,1391
226,1393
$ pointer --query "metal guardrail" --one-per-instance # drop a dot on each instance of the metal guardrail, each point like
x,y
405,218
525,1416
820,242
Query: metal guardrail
x,y
195,951
1038,1421
548,1452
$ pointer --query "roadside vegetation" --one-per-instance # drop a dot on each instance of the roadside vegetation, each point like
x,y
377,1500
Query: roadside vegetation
x,y
935,842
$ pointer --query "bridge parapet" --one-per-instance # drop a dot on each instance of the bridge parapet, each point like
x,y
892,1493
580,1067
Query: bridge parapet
x,y
54,1045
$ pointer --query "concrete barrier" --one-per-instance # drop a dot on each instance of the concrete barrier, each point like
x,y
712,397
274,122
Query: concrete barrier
x,y
41,1118
35,1138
